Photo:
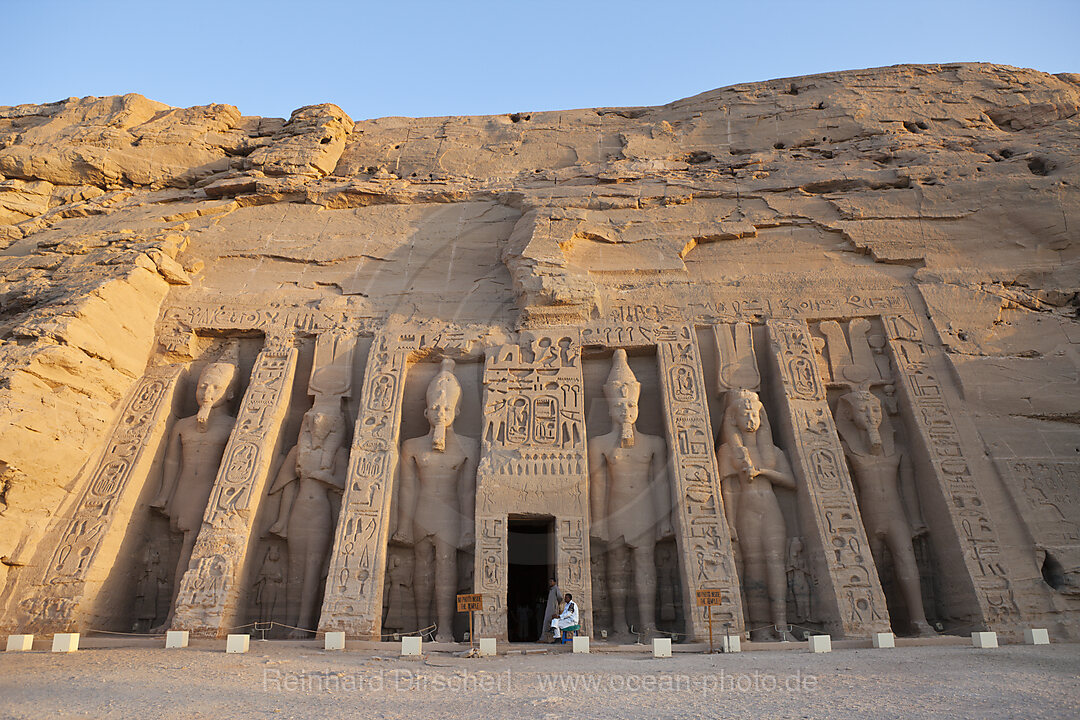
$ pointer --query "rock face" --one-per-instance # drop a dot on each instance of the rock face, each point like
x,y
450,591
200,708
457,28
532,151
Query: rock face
x,y
857,291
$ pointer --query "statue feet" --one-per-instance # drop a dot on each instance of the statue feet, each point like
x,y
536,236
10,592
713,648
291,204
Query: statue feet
x,y
619,637
921,628
299,634
444,636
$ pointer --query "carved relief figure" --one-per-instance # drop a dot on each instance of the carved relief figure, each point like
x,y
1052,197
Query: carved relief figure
x,y
438,489
800,583
630,499
151,591
196,445
869,444
269,585
750,465
312,470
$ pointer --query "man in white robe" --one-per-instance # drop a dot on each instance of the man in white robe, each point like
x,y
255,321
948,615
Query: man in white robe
x,y
567,618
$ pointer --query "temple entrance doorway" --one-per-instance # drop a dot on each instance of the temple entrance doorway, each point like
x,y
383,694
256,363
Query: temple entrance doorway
x,y
531,554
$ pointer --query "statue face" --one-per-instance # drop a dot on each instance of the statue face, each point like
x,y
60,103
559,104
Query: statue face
x,y
441,410
747,413
213,387
624,410
866,412
321,424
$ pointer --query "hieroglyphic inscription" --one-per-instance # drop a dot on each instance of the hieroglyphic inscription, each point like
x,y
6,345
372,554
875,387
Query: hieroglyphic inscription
x,y
937,431
208,599
849,591
354,585
109,497
703,537
532,460
729,307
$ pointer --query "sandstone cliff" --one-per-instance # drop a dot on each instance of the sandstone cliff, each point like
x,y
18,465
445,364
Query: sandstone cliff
x,y
959,182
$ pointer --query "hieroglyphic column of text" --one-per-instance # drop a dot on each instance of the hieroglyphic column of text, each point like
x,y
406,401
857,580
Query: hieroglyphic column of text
x,y
91,535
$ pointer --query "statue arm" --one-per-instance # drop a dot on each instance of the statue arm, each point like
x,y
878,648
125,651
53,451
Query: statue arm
x,y
662,491
467,497
286,473
909,497
170,471
284,484
341,470
729,492
781,474
407,500
597,493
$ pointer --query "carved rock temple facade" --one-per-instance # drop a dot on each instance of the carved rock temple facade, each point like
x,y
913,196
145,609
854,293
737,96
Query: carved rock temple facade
x,y
220,365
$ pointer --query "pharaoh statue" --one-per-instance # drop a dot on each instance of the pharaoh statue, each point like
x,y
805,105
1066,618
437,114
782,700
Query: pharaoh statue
x,y
868,441
630,499
750,465
438,491
194,452
313,471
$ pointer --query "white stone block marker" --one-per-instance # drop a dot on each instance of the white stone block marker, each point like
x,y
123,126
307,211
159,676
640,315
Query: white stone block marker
x,y
581,644
412,646
884,640
176,639
488,647
1036,636
65,642
820,643
334,641
237,643
661,647
20,643
984,639
731,643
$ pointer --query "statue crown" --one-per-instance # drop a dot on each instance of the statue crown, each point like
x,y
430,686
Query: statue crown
x,y
621,382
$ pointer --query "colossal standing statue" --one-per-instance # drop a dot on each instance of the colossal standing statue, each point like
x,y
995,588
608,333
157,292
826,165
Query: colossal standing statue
x,y
750,464
196,445
868,441
630,499
438,493
312,470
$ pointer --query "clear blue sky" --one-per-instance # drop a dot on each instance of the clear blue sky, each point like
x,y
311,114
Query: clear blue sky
x,y
476,58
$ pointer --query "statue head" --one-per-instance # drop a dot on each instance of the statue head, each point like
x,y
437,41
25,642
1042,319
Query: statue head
x,y
861,408
443,399
622,391
324,421
744,410
216,385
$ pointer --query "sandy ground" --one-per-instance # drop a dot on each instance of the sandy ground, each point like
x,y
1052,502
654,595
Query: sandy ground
x,y
300,680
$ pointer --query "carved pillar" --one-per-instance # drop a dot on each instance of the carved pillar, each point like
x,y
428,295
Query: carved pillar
x,y
974,580
532,460
846,577
352,601
707,559
91,536
207,602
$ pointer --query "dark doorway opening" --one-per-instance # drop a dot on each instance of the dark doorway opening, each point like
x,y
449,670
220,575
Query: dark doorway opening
x,y
531,552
